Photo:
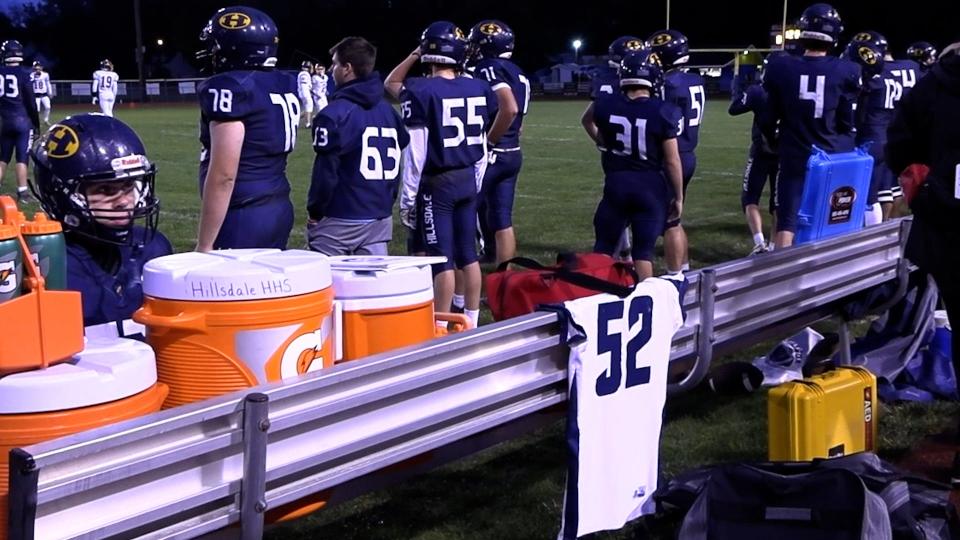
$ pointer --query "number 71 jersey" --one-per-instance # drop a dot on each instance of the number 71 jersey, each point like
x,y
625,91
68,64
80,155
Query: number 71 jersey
x,y
617,373
267,104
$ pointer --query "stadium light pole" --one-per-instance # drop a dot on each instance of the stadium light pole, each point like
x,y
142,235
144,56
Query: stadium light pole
x,y
139,52
577,43
668,15
783,27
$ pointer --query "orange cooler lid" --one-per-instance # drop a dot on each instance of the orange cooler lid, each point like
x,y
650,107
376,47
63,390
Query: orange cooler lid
x,y
236,275
106,370
7,231
41,224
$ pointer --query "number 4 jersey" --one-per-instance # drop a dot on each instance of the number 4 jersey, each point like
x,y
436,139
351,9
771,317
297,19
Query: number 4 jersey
x,y
619,357
267,104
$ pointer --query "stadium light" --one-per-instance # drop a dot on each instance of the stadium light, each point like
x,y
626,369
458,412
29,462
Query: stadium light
x,y
160,43
577,43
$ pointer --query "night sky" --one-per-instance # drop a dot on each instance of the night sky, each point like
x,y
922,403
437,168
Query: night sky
x,y
88,30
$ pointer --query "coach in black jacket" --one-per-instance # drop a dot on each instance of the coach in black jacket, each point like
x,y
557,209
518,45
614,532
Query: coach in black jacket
x,y
926,130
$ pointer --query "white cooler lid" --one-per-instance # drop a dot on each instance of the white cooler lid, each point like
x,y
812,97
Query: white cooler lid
x,y
106,370
236,274
356,277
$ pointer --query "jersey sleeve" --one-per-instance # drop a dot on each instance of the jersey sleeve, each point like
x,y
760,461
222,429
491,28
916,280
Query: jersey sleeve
x,y
412,108
224,99
326,136
672,118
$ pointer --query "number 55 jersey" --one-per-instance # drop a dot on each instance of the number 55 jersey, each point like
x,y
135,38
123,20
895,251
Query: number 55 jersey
x,y
617,373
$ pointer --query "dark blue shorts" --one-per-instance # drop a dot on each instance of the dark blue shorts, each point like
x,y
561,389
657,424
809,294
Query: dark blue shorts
x,y
637,199
499,186
789,192
14,139
447,216
761,169
265,224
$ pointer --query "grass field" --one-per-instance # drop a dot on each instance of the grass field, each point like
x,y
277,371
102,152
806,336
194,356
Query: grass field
x,y
515,490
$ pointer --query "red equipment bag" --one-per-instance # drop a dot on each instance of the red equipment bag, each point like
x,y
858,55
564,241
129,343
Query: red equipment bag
x,y
511,293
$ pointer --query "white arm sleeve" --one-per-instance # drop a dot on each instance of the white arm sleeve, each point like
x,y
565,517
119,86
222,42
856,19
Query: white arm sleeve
x,y
96,82
480,167
414,156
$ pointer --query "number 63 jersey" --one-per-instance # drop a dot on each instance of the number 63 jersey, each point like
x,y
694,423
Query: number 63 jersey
x,y
267,104
617,373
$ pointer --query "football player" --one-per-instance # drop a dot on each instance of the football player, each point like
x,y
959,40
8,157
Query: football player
x,y
685,90
93,175
249,113
41,91
105,87
491,43
923,53
18,115
448,117
305,91
873,113
812,99
357,139
319,87
643,179
748,95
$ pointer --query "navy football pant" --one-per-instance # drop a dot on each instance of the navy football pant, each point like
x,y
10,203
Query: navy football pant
x,y
447,217
637,199
264,224
688,166
789,192
14,139
499,187
761,170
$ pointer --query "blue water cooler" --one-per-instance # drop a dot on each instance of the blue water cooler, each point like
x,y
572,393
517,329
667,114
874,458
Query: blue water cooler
x,y
834,194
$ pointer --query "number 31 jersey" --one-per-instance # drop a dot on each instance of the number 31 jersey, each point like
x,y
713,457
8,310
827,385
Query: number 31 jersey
x,y
267,104
617,373
457,114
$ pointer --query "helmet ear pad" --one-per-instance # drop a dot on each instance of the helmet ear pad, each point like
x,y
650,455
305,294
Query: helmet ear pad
x,y
91,149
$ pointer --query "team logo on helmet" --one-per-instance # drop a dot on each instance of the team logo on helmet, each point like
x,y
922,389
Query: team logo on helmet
x,y
491,28
863,36
655,58
662,39
62,142
459,33
633,45
868,55
234,20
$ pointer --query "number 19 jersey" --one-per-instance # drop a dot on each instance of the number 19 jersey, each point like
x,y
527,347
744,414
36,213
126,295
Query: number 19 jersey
x,y
267,104
457,113
617,373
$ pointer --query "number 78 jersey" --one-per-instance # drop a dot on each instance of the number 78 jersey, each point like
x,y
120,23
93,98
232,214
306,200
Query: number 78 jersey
x,y
617,373
266,103
457,113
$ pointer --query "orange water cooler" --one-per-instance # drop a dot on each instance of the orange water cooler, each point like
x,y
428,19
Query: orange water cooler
x,y
387,302
109,381
227,320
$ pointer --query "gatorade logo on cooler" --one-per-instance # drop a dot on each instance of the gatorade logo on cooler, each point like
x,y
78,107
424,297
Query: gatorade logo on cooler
x,y
305,353
9,280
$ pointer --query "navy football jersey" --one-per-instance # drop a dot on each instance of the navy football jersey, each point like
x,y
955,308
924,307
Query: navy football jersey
x,y
267,104
633,131
685,90
605,80
502,73
457,114
18,111
111,296
813,97
753,98
357,139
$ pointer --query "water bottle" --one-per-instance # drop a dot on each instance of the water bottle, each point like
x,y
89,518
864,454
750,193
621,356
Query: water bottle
x,y
44,238
11,263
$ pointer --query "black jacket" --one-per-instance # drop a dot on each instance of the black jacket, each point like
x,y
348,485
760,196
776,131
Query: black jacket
x,y
926,130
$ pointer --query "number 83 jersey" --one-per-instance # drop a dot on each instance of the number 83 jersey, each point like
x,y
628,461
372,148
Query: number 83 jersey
x,y
457,113
267,104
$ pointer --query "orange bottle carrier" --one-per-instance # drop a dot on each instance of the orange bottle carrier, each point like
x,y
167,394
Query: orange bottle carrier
x,y
44,327
227,320
109,381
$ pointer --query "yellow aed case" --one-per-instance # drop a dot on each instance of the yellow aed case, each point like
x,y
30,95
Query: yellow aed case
x,y
828,415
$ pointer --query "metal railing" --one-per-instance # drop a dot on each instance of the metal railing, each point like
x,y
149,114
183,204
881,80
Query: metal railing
x,y
334,434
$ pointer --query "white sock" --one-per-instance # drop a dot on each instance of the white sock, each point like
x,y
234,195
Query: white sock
x,y
458,301
758,239
473,315
873,215
22,189
685,267
442,324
